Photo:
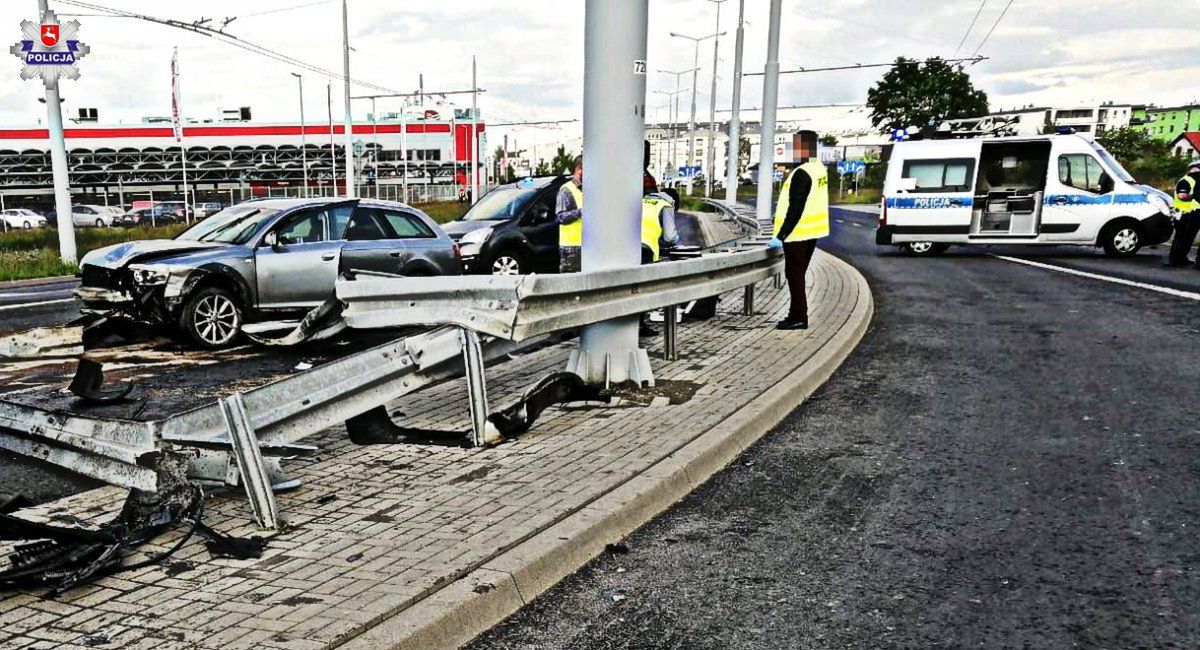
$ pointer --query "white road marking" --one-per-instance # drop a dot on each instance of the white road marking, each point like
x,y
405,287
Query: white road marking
x,y
856,224
1178,293
35,304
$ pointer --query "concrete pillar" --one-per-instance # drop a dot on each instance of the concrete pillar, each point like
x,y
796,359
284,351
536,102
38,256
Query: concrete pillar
x,y
614,126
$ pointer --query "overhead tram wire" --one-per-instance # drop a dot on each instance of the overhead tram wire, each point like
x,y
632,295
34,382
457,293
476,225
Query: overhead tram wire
x,y
982,4
229,39
994,26
972,61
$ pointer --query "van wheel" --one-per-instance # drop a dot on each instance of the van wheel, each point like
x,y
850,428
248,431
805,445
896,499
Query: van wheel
x,y
211,318
1122,240
923,248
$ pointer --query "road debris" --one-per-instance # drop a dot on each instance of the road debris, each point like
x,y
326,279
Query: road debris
x,y
40,342
88,384
558,388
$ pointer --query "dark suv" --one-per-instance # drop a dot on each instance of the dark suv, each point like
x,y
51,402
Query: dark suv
x,y
511,230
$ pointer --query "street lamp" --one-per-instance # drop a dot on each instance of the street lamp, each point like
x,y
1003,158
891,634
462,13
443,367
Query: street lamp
x,y
674,119
692,120
735,121
711,168
303,139
674,133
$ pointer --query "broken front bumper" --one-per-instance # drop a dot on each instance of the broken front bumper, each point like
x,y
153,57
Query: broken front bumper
x,y
100,300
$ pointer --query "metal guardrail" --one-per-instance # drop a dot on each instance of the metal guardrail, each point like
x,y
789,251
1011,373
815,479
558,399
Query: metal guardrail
x,y
519,307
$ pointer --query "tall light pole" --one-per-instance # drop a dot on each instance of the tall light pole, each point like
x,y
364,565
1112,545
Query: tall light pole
x,y
614,128
673,118
474,133
303,137
674,134
332,147
692,120
711,168
766,157
735,122
351,192
58,166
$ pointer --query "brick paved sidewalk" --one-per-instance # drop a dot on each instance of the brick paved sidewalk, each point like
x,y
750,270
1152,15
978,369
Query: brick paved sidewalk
x,y
376,530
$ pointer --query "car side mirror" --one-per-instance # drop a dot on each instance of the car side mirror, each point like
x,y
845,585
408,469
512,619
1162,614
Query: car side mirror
x,y
1106,183
272,239
907,184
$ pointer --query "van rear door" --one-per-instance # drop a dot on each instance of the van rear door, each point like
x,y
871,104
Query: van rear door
x,y
935,193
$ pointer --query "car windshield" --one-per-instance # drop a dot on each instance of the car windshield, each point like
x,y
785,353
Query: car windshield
x,y
501,203
235,225
1113,165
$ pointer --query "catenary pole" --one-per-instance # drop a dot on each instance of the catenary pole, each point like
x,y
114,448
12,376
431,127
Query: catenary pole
x,y
58,162
614,127
332,147
303,138
711,166
474,133
735,122
766,158
351,190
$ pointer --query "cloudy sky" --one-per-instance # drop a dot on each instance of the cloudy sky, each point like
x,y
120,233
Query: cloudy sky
x,y
1063,52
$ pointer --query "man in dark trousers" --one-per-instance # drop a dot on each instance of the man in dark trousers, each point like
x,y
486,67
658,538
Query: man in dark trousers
x,y
1187,202
801,218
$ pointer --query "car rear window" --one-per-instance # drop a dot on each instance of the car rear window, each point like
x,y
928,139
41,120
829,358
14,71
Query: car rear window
x,y
407,226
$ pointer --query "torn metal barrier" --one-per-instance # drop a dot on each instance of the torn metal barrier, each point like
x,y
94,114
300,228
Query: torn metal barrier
x,y
558,388
88,384
323,322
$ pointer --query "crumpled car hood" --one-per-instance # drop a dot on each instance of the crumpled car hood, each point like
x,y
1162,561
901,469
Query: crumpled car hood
x,y
119,255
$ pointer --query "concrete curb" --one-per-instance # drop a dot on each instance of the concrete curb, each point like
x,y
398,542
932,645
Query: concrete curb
x,y
470,606
35,282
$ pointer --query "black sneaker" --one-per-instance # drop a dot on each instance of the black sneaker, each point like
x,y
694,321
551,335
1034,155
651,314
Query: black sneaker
x,y
789,324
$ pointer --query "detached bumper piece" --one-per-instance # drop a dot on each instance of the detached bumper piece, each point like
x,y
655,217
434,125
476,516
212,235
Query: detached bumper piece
x,y
88,384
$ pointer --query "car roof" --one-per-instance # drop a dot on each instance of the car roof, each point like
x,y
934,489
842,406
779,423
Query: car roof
x,y
288,203
538,181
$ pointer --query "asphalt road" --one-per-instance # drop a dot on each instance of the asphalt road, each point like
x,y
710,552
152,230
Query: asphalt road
x,y
23,307
1008,460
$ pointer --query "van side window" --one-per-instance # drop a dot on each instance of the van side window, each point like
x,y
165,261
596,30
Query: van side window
x,y
944,175
1080,171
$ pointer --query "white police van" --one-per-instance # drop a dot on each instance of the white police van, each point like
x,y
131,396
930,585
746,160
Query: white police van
x,y
1045,190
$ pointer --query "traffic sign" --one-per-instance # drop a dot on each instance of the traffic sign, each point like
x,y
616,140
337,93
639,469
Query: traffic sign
x,y
851,166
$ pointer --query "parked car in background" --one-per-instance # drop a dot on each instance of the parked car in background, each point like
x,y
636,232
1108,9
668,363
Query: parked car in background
x,y
511,230
84,216
152,216
205,210
260,260
21,218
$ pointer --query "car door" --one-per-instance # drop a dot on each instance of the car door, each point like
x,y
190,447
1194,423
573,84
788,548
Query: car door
x,y
425,251
1078,201
371,245
541,230
300,269
83,216
938,200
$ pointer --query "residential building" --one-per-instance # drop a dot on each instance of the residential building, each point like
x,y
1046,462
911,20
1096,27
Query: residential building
x,y
1170,122
1187,145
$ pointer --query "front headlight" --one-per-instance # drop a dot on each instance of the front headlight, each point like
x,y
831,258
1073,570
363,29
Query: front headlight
x,y
476,236
150,275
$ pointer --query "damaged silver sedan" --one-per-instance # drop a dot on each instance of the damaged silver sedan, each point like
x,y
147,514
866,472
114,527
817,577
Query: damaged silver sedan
x,y
260,260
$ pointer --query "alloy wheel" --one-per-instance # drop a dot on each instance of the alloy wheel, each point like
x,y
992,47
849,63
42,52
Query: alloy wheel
x,y
506,265
1125,240
216,319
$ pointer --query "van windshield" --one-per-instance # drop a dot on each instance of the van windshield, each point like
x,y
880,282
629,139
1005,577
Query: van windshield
x,y
1110,162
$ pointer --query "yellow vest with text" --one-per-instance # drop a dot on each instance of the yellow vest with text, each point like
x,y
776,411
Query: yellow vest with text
x,y
814,221
1192,204
571,234
652,229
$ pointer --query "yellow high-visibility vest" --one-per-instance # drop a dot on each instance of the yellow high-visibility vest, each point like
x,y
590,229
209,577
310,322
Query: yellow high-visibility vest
x,y
571,234
652,229
1192,204
814,221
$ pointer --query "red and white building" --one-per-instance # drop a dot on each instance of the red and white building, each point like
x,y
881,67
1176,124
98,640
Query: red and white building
x,y
239,159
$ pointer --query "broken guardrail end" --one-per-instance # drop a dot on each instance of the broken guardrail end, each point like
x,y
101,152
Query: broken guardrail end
x,y
88,384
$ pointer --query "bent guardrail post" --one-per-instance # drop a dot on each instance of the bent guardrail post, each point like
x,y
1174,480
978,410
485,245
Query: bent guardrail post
x,y
748,300
476,387
250,462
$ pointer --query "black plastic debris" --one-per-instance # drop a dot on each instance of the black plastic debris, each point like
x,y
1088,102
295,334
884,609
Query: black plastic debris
x,y
88,384
375,427
618,547
13,502
558,388
227,546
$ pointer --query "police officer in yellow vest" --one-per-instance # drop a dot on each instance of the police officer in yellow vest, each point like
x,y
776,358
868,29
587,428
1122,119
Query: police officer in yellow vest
x,y
1187,224
801,218
658,225
568,211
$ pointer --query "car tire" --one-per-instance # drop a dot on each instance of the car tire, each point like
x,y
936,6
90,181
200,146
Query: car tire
x,y
508,263
211,318
1123,239
923,248
27,226
99,223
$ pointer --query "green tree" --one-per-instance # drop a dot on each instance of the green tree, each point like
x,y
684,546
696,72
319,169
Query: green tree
x,y
829,140
563,161
743,154
543,169
1148,160
915,93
